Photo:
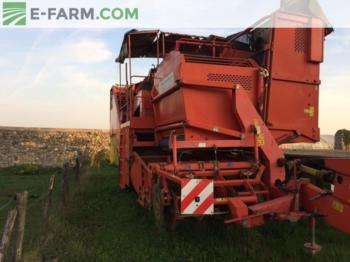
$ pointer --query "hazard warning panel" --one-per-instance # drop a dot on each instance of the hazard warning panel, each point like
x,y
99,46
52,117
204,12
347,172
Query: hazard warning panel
x,y
197,197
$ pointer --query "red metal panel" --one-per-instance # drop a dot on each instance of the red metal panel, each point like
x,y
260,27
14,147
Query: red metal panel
x,y
170,109
316,50
289,56
203,101
169,66
294,106
292,99
316,41
221,76
337,211
211,107
339,165
142,122
125,149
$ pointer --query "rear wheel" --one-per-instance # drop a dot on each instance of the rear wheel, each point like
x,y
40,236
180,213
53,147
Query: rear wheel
x,y
157,206
171,213
165,216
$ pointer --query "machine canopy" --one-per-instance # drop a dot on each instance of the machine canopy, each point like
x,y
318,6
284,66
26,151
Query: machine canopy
x,y
144,43
155,43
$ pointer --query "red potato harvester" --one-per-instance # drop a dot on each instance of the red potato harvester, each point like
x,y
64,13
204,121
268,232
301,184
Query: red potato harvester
x,y
200,134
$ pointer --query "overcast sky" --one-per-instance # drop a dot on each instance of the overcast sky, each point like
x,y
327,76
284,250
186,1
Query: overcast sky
x,y
62,77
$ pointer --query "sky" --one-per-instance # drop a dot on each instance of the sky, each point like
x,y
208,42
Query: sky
x,y
62,77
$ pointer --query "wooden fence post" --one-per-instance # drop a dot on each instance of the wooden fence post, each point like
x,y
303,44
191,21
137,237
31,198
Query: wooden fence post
x,y
48,203
21,208
6,235
65,186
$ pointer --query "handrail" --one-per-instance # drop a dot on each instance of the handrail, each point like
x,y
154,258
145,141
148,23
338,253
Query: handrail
x,y
198,42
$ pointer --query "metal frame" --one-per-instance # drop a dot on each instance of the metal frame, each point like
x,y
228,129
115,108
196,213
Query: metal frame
x,y
250,191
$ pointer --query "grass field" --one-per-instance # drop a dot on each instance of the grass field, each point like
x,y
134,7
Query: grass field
x,y
17,179
106,224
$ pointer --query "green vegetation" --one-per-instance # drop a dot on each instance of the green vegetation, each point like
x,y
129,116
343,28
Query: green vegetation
x,y
346,134
105,224
35,180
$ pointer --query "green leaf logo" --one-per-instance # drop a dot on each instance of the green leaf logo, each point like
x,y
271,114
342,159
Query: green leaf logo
x,y
14,13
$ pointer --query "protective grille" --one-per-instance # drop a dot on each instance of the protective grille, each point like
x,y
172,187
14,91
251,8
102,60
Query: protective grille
x,y
300,40
245,81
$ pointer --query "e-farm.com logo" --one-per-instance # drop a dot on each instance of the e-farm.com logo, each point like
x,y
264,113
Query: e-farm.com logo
x,y
14,13
19,13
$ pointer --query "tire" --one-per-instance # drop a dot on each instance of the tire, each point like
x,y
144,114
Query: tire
x,y
157,206
165,217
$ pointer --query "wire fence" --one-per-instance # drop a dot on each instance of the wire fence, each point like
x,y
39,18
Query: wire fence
x,y
13,231
8,203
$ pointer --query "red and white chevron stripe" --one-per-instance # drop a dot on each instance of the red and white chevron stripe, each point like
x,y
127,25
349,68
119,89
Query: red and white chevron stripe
x,y
197,197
